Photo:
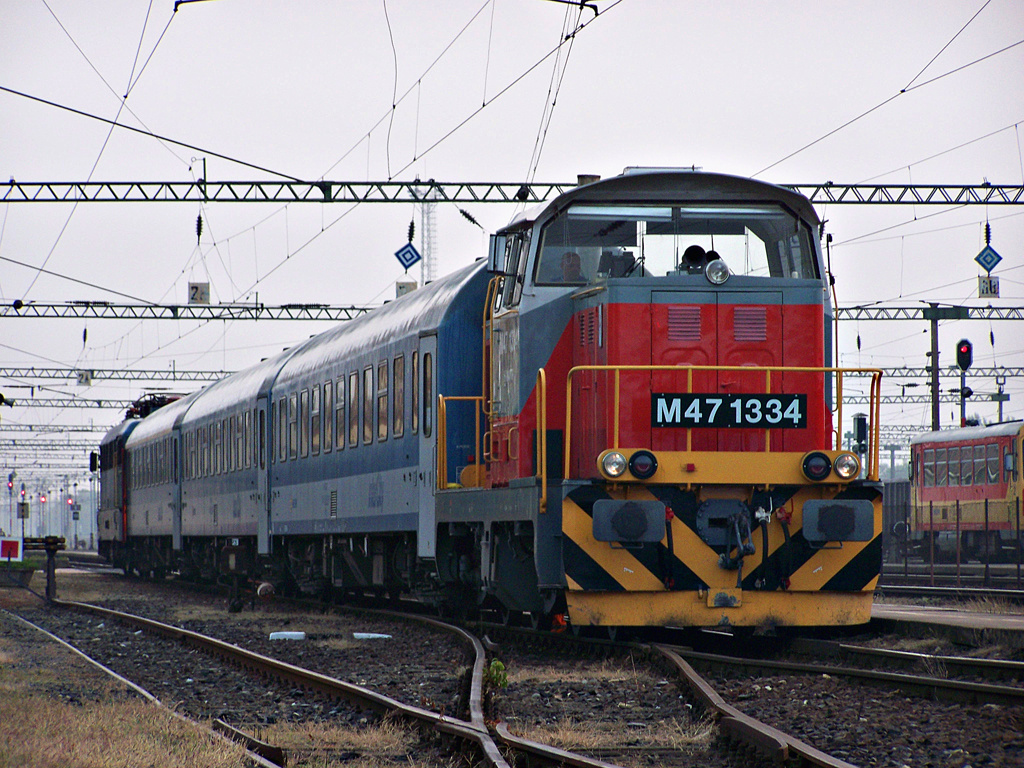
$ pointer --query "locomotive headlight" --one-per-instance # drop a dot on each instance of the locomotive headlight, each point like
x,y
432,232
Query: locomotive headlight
x,y
847,465
613,464
717,271
817,465
643,464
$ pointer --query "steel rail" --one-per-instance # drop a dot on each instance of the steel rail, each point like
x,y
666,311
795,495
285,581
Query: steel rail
x,y
775,745
1000,668
950,690
324,684
259,753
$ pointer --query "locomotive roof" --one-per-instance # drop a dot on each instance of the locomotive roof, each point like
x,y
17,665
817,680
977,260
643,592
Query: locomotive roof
x,y
124,428
1002,429
671,185
160,421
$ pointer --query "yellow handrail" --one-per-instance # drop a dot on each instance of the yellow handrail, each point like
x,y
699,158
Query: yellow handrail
x,y
875,400
442,433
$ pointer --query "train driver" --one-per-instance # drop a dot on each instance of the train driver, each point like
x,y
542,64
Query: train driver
x,y
572,271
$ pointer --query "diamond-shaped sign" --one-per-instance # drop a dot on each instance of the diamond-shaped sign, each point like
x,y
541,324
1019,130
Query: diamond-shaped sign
x,y
407,255
988,258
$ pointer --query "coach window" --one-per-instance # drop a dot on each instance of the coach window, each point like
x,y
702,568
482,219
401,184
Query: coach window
x,y
328,416
414,383
941,468
979,465
261,445
315,422
229,444
247,437
992,462
304,424
398,396
240,442
967,465
293,426
382,401
928,469
282,429
353,409
368,405
339,414
428,393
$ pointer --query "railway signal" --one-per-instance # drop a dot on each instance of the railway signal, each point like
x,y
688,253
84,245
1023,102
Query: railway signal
x,y
964,354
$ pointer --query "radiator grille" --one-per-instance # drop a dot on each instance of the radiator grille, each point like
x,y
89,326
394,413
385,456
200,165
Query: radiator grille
x,y
750,324
684,323
334,503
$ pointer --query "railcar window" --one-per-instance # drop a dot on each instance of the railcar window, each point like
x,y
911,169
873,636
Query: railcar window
x,y
261,439
240,438
428,393
590,242
979,465
282,429
315,422
247,438
954,466
293,426
967,465
992,462
382,401
328,416
929,468
414,377
339,415
229,444
304,423
368,405
941,468
398,396
353,409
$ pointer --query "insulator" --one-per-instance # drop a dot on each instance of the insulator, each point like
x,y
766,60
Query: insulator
x,y
199,227
412,229
469,217
988,233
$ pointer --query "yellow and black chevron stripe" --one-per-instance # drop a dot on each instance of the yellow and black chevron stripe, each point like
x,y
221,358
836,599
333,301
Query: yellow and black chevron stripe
x,y
781,587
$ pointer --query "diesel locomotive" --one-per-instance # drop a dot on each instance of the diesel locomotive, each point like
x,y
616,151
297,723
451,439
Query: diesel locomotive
x,y
626,415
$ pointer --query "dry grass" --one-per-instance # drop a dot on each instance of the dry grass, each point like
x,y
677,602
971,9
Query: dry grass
x,y
607,671
580,736
42,733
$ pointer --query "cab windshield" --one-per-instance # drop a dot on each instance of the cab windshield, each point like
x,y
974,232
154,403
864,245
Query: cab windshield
x,y
587,243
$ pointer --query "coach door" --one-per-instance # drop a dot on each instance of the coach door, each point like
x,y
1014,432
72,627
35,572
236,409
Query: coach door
x,y
176,496
261,465
424,408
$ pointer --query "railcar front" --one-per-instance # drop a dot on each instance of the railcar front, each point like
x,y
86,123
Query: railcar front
x,y
675,461
112,513
966,486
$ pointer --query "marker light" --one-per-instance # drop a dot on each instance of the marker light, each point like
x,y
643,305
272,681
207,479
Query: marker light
x,y
847,465
717,271
613,464
643,464
817,465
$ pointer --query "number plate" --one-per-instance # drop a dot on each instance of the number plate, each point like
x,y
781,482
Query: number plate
x,y
696,410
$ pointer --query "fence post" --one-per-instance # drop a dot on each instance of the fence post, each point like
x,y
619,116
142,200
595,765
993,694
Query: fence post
x,y
958,543
931,542
988,556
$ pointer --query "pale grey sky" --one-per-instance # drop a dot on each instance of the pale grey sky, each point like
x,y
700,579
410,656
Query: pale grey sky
x,y
306,88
